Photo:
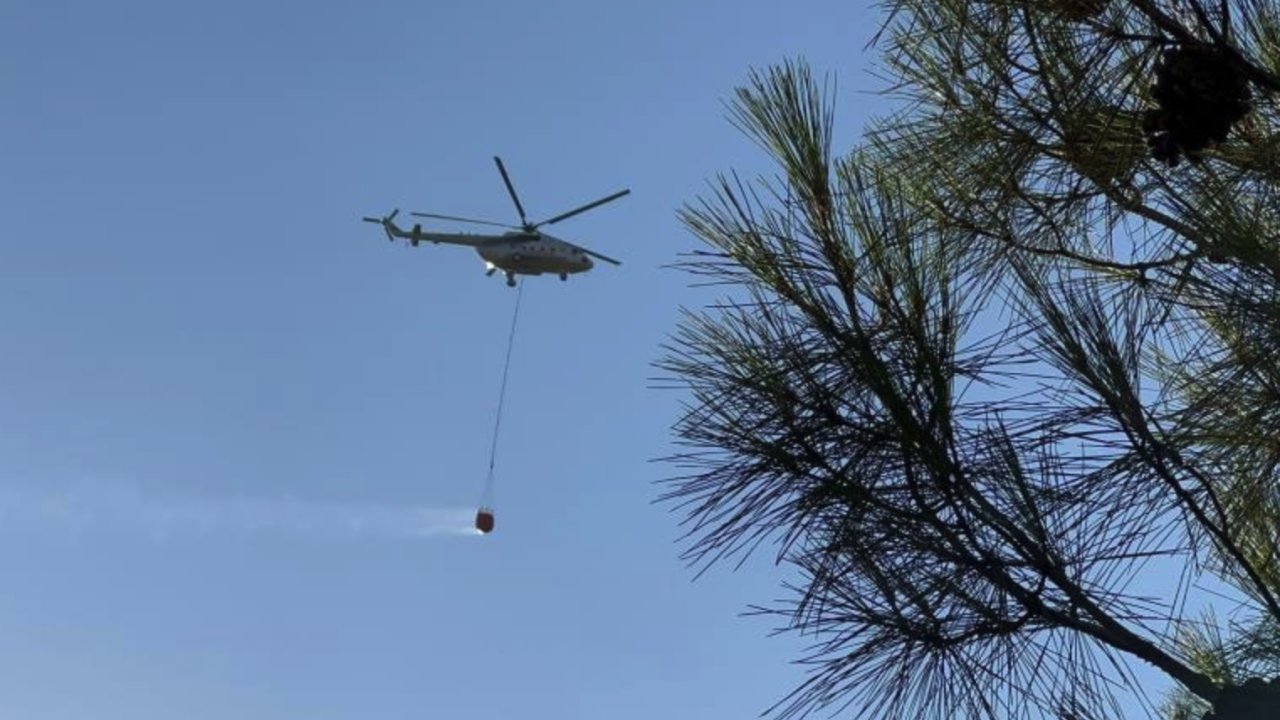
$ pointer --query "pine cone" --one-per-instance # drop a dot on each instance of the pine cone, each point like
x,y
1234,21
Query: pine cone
x,y
1201,94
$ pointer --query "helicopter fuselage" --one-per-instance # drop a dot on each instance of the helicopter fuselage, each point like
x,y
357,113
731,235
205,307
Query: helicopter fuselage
x,y
533,254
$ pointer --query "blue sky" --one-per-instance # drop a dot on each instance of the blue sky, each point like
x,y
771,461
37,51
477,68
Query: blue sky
x,y
210,368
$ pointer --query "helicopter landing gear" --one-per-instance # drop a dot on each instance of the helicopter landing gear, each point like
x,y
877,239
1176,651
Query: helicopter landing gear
x,y
511,279
564,276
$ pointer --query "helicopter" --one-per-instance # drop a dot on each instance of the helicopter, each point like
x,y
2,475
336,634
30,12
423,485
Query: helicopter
x,y
523,250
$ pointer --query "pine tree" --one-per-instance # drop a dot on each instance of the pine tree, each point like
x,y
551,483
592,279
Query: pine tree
x,y
1001,384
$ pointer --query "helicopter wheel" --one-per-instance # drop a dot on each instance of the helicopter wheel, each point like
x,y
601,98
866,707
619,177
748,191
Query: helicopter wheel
x,y
511,280
564,276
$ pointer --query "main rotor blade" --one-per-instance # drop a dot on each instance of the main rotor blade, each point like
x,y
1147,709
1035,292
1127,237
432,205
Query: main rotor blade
x,y
584,208
465,219
605,258
511,189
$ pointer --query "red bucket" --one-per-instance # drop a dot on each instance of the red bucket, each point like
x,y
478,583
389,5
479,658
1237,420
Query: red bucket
x,y
484,521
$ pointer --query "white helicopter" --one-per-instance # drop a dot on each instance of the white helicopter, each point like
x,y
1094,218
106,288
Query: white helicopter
x,y
523,251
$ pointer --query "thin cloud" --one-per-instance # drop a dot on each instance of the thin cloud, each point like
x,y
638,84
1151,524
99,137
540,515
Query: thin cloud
x,y
101,507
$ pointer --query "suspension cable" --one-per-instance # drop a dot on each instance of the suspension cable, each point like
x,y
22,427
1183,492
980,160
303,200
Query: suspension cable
x,y
487,498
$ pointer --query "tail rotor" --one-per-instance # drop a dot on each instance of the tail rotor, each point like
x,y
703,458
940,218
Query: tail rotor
x,y
386,223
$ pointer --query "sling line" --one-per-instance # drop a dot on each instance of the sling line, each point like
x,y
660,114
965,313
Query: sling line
x,y
502,395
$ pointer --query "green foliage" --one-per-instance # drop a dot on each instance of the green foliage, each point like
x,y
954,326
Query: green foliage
x,y
984,380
